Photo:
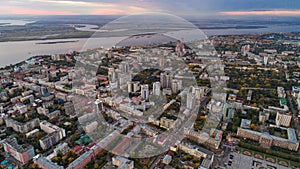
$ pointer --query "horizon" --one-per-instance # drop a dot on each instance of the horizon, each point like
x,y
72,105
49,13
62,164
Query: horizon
x,y
127,7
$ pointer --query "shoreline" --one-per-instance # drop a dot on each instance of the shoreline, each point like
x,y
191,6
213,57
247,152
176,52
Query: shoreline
x,y
56,42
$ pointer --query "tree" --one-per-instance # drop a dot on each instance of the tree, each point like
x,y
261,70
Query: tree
x,y
64,158
70,159
33,166
96,165
55,159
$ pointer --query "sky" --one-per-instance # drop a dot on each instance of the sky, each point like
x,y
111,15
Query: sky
x,y
125,7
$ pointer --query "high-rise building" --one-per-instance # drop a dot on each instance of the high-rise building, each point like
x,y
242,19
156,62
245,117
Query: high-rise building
x,y
156,88
145,91
200,91
190,101
245,49
136,86
69,109
99,105
162,61
124,78
165,80
176,85
180,50
111,75
22,153
130,87
266,59
124,67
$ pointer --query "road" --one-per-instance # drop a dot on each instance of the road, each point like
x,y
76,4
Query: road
x,y
294,111
157,160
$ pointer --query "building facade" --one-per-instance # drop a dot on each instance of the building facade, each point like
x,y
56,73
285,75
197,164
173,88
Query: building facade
x,y
22,153
22,127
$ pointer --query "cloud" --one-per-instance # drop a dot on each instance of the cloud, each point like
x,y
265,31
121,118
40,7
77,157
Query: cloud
x,y
177,7
68,7
264,12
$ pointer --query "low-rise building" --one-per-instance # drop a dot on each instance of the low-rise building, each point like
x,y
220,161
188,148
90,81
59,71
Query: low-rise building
x,y
22,153
22,127
283,119
167,159
55,134
263,116
44,163
167,123
122,163
205,138
199,152
295,91
267,140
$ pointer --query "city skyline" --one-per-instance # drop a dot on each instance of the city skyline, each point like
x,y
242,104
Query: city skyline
x,y
150,84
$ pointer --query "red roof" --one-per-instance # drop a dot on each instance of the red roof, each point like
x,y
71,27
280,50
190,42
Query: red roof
x,y
137,99
101,77
77,148
239,99
119,149
91,145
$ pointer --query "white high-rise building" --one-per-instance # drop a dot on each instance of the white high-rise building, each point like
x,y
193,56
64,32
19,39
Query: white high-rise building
x,y
145,91
124,67
199,91
124,78
136,86
162,61
156,88
130,87
190,101
99,106
245,49
112,75
176,85
266,59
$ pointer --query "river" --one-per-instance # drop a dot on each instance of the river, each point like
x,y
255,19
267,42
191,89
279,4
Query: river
x,y
14,52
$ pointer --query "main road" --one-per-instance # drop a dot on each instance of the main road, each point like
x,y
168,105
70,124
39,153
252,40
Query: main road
x,y
294,111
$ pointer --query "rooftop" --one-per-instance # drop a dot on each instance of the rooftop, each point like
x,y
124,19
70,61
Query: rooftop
x,y
47,163
14,144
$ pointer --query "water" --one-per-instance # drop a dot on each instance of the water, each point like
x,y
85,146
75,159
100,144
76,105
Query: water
x,y
14,52
210,32
15,22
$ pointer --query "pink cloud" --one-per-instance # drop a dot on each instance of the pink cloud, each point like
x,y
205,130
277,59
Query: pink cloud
x,y
41,12
27,11
267,12
108,12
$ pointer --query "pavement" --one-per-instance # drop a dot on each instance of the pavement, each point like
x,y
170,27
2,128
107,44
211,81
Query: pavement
x,y
241,161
